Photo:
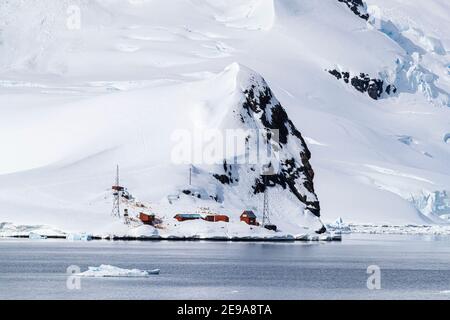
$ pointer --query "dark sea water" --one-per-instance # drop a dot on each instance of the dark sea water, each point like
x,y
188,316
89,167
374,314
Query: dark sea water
x,y
412,267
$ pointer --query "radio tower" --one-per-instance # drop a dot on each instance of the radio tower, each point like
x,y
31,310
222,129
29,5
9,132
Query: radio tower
x,y
266,213
117,193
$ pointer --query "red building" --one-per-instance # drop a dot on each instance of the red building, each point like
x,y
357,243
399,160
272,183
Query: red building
x,y
147,218
249,218
216,218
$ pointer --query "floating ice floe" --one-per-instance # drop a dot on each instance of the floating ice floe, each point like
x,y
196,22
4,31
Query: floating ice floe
x,y
108,271
35,236
79,237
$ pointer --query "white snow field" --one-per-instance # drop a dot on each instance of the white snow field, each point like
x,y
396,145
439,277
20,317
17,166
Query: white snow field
x,y
77,99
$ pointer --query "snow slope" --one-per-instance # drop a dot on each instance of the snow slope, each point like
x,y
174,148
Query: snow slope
x,y
77,101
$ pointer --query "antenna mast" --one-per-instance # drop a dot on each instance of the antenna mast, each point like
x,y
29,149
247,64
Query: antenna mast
x,y
117,193
266,212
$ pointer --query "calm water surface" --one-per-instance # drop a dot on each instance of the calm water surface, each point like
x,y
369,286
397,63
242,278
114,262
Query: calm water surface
x,y
412,267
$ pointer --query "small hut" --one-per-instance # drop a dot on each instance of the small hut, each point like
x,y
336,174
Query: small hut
x,y
249,218
187,216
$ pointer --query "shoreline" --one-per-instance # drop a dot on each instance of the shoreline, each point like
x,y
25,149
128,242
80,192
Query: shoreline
x,y
331,238
334,234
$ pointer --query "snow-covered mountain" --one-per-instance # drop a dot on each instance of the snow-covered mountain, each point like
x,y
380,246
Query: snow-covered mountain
x,y
359,92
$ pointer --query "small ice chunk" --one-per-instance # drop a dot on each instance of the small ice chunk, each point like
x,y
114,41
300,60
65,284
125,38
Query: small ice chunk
x,y
35,236
109,271
79,237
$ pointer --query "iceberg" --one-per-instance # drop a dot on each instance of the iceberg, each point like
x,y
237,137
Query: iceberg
x,y
35,236
108,271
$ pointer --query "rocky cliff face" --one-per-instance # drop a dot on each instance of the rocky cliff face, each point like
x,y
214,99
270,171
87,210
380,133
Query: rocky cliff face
x,y
375,88
295,172
288,164
357,7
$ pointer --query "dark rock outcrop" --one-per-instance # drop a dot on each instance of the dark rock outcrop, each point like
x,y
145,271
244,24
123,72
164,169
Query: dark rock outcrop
x,y
365,84
358,7
230,175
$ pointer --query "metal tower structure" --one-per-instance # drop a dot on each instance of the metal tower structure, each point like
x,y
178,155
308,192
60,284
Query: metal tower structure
x,y
266,223
266,211
117,193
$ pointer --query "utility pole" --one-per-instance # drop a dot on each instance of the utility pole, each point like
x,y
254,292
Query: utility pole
x,y
190,175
